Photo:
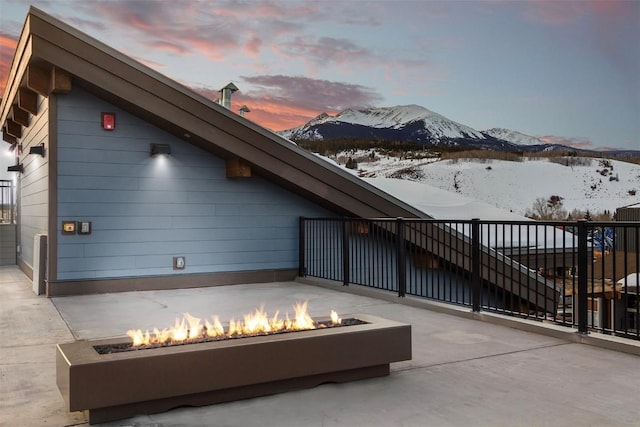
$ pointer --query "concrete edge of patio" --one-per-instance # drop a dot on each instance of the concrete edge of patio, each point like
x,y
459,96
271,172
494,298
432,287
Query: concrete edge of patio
x,y
609,342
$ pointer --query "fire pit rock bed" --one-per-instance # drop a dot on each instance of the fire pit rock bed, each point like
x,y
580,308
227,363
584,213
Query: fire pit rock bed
x,y
120,385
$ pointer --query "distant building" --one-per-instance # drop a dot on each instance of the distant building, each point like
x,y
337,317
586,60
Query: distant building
x,y
627,238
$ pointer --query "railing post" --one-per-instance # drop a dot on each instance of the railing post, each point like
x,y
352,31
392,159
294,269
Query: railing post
x,y
302,271
583,252
346,273
476,281
401,258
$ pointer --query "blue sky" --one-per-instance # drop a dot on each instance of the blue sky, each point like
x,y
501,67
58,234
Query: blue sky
x,y
567,71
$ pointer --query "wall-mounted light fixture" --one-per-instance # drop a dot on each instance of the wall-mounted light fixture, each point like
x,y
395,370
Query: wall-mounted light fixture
x,y
37,149
15,168
13,147
160,149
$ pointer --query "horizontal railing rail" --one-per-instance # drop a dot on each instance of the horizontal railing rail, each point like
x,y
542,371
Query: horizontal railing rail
x,y
579,274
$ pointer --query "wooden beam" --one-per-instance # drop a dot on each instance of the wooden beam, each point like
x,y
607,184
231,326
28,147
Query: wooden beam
x,y
19,116
8,138
38,80
28,101
60,81
237,168
13,129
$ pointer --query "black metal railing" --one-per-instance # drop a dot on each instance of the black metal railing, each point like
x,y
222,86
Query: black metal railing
x,y
578,274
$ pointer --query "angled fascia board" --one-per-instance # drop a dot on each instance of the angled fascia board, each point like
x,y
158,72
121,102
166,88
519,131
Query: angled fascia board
x,y
85,58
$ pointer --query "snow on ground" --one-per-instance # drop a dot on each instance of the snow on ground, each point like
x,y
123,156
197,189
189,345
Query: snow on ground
x,y
441,204
512,190
435,202
514,186
632,282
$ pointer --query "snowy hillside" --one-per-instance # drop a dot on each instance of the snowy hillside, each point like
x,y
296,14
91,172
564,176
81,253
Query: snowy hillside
x,y
513,187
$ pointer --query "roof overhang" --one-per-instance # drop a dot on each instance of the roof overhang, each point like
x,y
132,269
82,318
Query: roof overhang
x,y
51,55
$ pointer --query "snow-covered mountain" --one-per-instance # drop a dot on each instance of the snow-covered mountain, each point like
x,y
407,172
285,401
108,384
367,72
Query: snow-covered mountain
x,y
413,123
401,116
513,136
404,122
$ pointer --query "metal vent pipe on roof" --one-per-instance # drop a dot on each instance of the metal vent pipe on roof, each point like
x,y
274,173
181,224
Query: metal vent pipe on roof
x,y
225,95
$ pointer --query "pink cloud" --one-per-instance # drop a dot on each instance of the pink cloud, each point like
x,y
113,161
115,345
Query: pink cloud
x,y
317,95
218,29
327,51
323,50
252,46
282,102
141,15
167,47
164,26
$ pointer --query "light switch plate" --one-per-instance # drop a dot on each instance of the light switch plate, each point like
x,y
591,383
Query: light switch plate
x,y
84,227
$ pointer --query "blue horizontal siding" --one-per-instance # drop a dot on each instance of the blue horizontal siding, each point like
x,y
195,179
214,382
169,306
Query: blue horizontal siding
x,y
144,210
184,248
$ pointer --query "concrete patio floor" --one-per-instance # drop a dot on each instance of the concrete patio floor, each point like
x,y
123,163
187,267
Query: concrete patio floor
x,y
464,372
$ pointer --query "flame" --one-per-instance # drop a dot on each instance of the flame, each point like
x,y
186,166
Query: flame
x,y
192,329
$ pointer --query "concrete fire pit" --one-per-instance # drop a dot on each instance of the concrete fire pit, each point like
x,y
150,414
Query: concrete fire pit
x,y
123,384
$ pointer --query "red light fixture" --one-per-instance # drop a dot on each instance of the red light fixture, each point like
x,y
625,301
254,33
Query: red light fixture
x,y
108,121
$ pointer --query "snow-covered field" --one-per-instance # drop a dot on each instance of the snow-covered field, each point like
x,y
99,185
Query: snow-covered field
x,y
504,187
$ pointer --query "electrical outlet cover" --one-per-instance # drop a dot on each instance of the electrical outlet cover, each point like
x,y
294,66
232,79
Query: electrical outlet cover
x,y
179,262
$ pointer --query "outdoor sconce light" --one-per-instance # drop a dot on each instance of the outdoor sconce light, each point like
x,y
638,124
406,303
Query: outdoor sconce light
x,y
160,149
37,149
15,168
13,147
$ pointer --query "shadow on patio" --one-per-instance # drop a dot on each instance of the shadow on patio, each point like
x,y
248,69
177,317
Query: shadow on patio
x,y
463,371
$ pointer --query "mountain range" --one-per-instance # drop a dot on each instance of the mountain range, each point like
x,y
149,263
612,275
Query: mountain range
x,y
417,124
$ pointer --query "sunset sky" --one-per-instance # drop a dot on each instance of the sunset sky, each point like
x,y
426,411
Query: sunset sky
x,y
567,71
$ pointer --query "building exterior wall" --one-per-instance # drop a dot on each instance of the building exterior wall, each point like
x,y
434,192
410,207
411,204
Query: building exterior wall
x,y
7,244
627,238
628,213
145,210
33,184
